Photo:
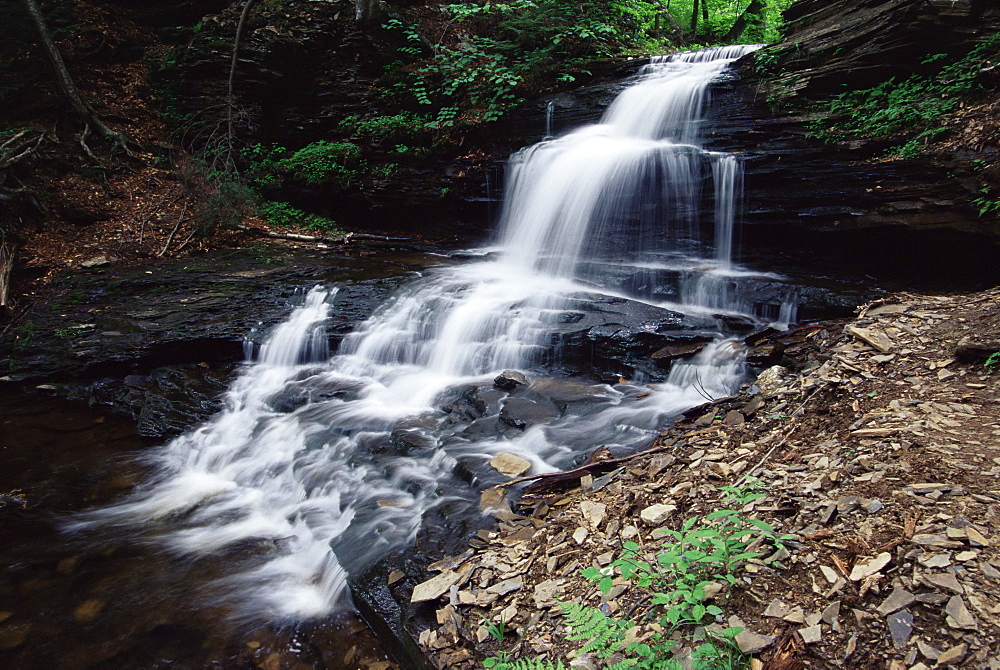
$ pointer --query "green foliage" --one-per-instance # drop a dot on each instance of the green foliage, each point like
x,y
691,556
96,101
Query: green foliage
x,y
70,332
911,110
986,204
993,362
703,551
605,635
498,631
284,214
392,127
763,27
503,663
317,164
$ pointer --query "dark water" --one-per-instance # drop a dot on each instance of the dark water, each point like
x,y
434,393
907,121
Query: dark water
x,y
68,603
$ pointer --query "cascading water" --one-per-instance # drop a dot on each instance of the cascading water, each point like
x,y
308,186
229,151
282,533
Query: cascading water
x,y
331,462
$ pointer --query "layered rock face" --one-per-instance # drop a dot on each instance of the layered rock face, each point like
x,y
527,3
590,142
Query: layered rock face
x,y
851,195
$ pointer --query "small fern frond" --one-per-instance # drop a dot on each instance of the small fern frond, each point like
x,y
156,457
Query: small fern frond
x,y
532,664
605,635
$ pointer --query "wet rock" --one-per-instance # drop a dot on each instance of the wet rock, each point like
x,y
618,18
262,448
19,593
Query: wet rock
x,y
522,412
88,610
672,352
435,587
14,635
508,380
765,354
510,465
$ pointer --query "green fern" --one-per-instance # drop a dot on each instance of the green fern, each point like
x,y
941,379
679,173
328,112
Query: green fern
x,y
527,664
606,635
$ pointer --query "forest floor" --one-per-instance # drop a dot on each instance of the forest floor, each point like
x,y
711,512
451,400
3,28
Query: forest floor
x,y
878,456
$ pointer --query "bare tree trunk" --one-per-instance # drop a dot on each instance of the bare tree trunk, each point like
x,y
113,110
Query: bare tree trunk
x,y
6,264
65,80
743,20
694,18
230,98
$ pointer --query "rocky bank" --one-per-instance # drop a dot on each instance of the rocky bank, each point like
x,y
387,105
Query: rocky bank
x,y
877,445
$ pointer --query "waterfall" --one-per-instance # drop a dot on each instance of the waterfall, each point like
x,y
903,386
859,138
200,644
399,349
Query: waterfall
x,y
324,463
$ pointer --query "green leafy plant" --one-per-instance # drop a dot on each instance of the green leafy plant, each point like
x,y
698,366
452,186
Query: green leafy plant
x,y
701,552
911,110
284,214
993,362
496,630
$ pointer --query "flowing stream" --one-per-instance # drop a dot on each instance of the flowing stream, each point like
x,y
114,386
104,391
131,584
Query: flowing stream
x,y
323,463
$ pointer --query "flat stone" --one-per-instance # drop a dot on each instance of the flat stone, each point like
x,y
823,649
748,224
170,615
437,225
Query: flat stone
x,y
545,592
776,609
654,515
935,560
976,539
797,615
753,643
510,465
935,540
959,615
94,262
831,616
435,587
88,610
874,506
873,338
944,580
870,567
733,418
900,627
674,351
594,513
830,574
989,570
953,656
928,652
506,586
811,634
897,600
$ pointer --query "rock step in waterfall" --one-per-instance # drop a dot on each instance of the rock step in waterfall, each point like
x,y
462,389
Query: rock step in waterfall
x,y
318,465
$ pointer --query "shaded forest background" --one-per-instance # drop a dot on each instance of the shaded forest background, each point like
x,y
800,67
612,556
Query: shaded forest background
x,y
215,123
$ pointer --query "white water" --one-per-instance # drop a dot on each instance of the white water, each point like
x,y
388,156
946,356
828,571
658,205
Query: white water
x,y
304,459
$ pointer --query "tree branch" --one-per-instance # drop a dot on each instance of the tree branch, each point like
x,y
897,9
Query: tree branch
x,y
65,80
